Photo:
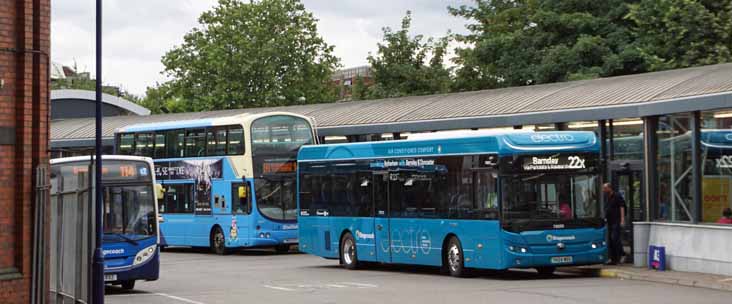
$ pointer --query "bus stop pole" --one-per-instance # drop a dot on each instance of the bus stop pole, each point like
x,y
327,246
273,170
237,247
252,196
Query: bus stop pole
x,y
98,264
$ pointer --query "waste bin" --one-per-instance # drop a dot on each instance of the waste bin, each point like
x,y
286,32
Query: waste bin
x,y
657,257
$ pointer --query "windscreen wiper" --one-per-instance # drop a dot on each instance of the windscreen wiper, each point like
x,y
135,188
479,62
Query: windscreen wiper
x,y
124,238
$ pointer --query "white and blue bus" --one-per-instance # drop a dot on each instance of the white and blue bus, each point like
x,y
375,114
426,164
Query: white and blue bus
x,y
130,242
495,201
228,182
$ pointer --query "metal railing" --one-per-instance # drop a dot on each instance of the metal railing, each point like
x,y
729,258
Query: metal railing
x,y
71,241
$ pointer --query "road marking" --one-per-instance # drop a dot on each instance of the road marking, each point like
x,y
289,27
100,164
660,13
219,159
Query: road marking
x,y
278,288
361,285
178,298
181,299
726,280
336,285
320,286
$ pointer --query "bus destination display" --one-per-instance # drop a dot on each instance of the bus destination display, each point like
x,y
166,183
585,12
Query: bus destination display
x,y
554,163
113,170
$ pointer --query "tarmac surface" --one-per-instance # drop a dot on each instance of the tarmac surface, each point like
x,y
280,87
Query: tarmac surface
x,y
197,277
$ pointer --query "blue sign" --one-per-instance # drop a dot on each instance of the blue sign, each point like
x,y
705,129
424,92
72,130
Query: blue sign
x,y
657,257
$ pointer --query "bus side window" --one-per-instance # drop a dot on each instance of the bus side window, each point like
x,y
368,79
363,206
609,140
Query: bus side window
x,y
178,198
159,145
241,198
126,144
235,140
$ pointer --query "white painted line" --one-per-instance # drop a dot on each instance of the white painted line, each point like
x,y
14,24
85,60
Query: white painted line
x,y
178,298
726,280
360,285
336,286
278,288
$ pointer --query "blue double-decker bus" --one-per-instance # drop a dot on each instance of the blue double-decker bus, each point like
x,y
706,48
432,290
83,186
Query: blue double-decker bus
x,y
492,201
130,242
228,182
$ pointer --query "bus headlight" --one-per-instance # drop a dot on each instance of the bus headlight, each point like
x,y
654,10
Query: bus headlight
x,y
144,255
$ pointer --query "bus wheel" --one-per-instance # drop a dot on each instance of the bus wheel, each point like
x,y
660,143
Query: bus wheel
x,y
282,248
128,285
218,241
549,270
349,259
454,258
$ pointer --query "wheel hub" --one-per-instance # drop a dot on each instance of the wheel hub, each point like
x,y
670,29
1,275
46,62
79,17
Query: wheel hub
x,y
348,252
453,258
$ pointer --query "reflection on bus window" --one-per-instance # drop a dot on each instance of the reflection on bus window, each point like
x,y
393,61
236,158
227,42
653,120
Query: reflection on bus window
x,y
130,211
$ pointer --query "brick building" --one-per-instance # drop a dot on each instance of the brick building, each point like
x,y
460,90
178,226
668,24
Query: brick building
x,y
24,100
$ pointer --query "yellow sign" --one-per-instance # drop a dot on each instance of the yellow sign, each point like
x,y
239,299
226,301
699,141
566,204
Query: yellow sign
x,y
715,196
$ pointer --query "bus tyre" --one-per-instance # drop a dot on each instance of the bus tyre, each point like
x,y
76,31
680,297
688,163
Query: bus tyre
x,y
349,258
548,270
453,259
218,241
128,285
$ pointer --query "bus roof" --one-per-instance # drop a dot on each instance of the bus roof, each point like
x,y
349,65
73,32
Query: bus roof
x,y
501,143
200,123
63,160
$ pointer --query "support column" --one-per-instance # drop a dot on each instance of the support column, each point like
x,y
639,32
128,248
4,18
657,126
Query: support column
x,y
603,149
650,173
696,169
611,142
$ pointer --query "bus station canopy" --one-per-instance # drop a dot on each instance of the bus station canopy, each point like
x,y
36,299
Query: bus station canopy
x,y
639,95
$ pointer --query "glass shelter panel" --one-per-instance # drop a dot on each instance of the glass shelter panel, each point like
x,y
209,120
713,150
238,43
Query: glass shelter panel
x,y
716,144
674,168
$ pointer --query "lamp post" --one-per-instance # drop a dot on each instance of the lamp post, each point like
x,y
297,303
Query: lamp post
x,y
97,278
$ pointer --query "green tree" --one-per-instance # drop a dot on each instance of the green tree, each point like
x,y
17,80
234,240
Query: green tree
x,y
161,99
359,89
400,67
683,33
251,54
522,42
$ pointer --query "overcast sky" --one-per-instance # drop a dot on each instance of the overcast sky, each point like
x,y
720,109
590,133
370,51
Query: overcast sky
x,y
137,33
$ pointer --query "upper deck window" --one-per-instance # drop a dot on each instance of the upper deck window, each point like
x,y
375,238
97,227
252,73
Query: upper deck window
x,y
235,141
280,134
194,142
126,143
143,144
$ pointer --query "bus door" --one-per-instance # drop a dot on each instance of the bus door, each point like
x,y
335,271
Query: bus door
x,y
381,217
199,232
409,235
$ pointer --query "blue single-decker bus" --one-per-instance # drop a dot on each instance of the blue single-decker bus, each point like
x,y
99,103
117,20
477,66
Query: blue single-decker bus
x,y
479,200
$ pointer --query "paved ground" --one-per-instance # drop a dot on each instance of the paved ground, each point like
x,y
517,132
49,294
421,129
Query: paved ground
x,y
262,277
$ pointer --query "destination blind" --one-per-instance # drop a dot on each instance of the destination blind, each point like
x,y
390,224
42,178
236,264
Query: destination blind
x,y
554,163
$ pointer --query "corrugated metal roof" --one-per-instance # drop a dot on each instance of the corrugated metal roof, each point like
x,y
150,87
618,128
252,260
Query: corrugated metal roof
x,y
479,107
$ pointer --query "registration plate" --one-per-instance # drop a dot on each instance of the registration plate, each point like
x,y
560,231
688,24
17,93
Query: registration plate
x,y
561,260
290,241
110,277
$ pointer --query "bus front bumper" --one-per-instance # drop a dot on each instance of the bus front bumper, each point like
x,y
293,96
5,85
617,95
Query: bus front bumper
x,y
529,260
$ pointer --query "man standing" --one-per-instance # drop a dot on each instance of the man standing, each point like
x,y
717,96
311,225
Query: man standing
x,y
615,216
